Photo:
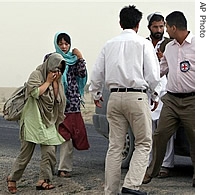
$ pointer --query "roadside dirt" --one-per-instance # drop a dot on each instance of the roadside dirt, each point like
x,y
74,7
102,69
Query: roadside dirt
x,y
81,182
87,179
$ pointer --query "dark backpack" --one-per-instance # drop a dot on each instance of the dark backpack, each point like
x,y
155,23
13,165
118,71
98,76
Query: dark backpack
x,y
14,105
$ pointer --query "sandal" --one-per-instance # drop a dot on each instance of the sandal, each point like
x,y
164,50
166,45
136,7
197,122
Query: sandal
x,y
45,185
65,174
164,172
147,179
11,188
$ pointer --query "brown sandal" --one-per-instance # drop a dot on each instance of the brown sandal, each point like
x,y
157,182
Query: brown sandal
x,y
147,179
65,174
11,188
164,172
45,185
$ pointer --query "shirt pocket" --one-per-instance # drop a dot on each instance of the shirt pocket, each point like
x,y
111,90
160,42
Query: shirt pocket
x,y
191,59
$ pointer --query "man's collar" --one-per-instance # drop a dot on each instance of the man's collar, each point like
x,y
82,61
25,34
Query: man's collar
x,y
128,31
188,39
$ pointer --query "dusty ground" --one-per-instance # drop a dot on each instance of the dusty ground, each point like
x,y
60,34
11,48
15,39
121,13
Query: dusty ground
x,y
86,180
65,186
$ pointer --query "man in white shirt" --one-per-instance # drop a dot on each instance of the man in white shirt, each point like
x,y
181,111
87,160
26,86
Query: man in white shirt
x,y
128,67
179,102
156,26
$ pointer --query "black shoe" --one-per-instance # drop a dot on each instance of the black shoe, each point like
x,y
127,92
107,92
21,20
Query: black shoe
x,y
130,191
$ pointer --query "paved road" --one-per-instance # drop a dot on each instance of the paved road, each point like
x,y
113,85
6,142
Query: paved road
x,y
88,172
9,143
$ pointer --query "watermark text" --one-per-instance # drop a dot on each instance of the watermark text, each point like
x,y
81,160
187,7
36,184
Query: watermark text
x,y
203,20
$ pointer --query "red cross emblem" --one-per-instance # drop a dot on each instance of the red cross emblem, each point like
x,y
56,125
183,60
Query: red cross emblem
x,y
184,66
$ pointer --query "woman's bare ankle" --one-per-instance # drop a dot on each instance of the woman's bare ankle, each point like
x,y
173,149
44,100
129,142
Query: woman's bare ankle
x,y
40,182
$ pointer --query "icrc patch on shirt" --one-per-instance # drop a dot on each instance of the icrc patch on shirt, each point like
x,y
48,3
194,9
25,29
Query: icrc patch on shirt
x,y
184,66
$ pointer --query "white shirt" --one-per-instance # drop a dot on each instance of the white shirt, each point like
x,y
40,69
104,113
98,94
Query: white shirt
x,y
157,46
126,61
180,61
156,113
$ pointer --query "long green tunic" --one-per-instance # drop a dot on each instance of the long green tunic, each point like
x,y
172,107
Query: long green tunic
x,y
32,126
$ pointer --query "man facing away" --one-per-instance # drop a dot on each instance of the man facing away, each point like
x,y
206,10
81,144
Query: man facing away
x,y
156,25
128,67
179,101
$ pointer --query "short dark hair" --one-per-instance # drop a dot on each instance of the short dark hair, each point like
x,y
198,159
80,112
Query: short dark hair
x,y
156,18
65,37
130,17
177,19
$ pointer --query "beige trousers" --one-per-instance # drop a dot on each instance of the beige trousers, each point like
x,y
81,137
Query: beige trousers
x,y
66,156
124,109
174,111
47,164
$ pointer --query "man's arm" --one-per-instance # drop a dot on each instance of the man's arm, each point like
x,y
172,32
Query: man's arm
x,y
98,79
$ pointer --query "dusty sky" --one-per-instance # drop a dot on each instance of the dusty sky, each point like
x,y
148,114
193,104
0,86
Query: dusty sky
x,y
28,28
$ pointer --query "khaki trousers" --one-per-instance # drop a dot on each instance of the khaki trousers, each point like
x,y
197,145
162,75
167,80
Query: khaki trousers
x,y
174,111
124,109
47,164
66,156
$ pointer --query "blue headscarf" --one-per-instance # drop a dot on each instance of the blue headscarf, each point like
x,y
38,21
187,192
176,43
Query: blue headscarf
x,y
70,59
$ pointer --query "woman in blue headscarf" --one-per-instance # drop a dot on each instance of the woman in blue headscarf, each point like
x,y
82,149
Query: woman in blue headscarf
x,y
74,80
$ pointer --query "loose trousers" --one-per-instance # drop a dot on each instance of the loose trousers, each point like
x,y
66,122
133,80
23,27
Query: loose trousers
x,y
66,156
174,111
124,109
47,164
168,160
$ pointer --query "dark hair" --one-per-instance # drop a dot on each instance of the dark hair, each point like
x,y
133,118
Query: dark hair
x,y
130,17
177,19
63,62
65,37
156,18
